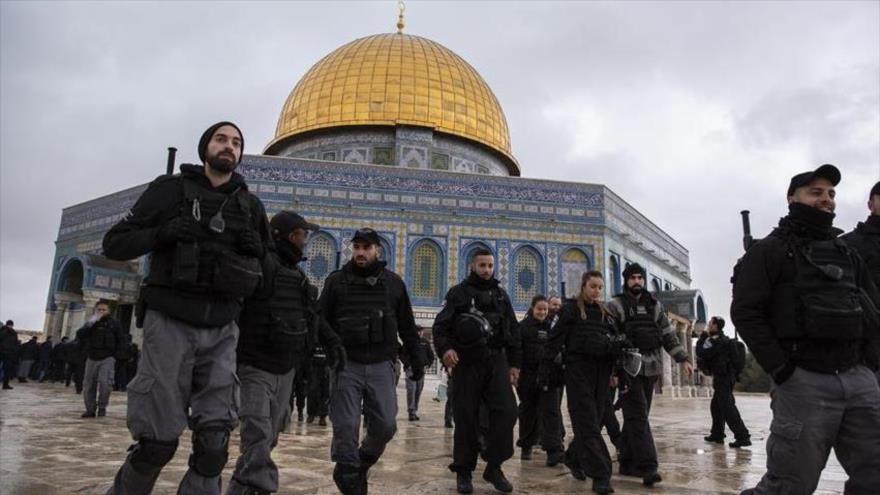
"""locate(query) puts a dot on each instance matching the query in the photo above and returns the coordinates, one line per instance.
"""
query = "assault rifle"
(748, 242)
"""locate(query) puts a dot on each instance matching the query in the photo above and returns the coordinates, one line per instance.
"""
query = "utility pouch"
(832, 316)
(377, 327)
(289, 334)
(185, 271)
(354, 330)
(236, 275)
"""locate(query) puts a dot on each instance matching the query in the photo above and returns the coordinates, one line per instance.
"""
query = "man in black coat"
(45, 359)
(8, 352)
(205, 234)
(477, 335)
(28, 354)
(804, 303)
(715, 354)
(103, 339)
(280, 327)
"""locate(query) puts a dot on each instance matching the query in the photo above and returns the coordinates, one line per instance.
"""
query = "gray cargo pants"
(98, 383)
(265, 407)
(186, 376)
(813, 413)
(366, 389)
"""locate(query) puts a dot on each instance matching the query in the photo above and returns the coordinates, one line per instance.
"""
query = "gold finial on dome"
(401, 7)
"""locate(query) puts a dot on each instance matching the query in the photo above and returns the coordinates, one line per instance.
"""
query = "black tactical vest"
(639, 323)
(822, 301)
(102, 339)
(211, 265)
(283, 312)
(364, 314)
(590, 335)
(534, 341)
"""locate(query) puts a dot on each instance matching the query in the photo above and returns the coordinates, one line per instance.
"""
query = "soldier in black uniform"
(368, 306)
(280, 327)
(538, 401)
(477, 336)
(805, 305)
(715, 358)
(865, 238)
(103, 339)
(318, 403)
(592, 342)
(647, 327)
(206, 235)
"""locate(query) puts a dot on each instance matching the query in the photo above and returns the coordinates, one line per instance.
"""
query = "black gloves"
(249, 243)
(336, 358)
(180, 229)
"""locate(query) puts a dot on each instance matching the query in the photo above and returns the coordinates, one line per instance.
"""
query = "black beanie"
(875, 190)
(633, 269)
(209, 133)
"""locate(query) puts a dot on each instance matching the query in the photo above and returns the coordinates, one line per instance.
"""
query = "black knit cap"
(633, 269)
(209, 133)
(875, 190)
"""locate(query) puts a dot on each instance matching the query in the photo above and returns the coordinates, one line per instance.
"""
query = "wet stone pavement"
(46, 449)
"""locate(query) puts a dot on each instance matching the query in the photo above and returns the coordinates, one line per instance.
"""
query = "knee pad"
(210, 451)
(148, 456)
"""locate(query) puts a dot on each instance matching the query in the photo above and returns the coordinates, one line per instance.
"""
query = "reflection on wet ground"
(46, 449)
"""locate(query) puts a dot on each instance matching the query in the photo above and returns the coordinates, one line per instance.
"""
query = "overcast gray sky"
(691, 111)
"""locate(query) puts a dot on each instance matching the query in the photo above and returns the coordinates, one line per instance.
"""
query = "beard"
(222, 162)
(635, 290)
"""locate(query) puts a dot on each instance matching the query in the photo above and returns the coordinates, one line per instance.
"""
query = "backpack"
(738, 357)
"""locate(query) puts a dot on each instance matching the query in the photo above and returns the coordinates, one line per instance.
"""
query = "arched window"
(467, 255)
(386, 254)
(701, 310)
(574, 264)
(71, 279)
(614, 275)
(528, 276)
(321, 258)
(666, 286)
(655, 285)
(426, 267)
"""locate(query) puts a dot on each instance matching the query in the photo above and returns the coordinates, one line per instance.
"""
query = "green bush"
(753, 378)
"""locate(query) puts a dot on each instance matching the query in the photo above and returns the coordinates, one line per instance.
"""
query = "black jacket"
(334, 289)
(865, 239)
(533, 345)
(102, 339)
(458, 300)
(8, 341)
(137, 235)
(716, 357)
(30, 351)
(255, 345)
(764, 266)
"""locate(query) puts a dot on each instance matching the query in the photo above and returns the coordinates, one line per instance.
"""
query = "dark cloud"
(689, 111)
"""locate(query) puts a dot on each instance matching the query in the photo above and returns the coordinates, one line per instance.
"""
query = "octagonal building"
(398, 133)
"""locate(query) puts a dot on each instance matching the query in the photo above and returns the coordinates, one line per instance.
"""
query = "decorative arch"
(527, 277)
(427, 274)
(466, 255)
(667, 287)
(321, 253)
(655, 285)
(574, 263)
(387, 254)
(614, 274)
(71, 277)
(701, 310)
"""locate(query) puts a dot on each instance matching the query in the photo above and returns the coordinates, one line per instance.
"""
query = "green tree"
(753, 378)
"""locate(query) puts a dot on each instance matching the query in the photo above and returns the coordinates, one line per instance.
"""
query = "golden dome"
(390, 79)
